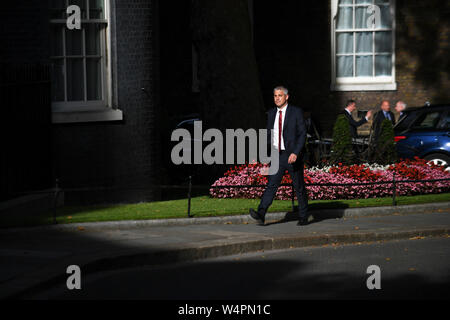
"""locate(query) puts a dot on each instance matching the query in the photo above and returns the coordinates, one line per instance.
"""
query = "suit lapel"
(392, 117)
(272, 115)
(286, 119)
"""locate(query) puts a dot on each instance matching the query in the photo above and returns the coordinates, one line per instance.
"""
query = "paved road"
(418, 268)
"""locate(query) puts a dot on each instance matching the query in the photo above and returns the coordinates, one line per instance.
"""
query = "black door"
(25, 160)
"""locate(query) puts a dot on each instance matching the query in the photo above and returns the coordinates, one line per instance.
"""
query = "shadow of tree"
(254, 280)
(423, 29)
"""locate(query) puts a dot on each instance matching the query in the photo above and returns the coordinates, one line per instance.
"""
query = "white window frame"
(91, 111)
(386, 83)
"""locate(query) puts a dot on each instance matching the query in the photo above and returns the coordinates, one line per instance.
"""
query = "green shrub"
(342, 150)
(384, 151)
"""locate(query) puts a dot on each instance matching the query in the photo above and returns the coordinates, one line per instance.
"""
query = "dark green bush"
(384, 151)
(342, 150)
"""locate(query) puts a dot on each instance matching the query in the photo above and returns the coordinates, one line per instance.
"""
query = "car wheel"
(439, 159)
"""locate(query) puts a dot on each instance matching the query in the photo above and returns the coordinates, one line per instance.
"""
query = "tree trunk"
(230, 92)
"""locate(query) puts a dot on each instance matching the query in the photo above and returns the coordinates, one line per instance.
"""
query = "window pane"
(364, 66)
(56, 41)
(383, 66)
(446, 124)
(386, 18)
(93, 39)
(345, 66)
(74, 45)
(345, 18)
(361, 18)
(346, 2)
(383, 42)
(344, 43)
(58, 80)
(428, 121)
(364, 42)
(363, 1)
(96, 10)
(75, 80)
(94, 79)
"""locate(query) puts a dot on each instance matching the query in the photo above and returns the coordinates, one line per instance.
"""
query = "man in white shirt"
(288, 140)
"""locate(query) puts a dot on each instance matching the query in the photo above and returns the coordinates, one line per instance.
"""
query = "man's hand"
(369, 114)
(264, 171)
(292, 158)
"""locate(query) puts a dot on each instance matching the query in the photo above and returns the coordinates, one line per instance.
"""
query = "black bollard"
(189, 196)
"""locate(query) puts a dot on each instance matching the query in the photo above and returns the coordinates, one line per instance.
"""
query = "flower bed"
(404, 170)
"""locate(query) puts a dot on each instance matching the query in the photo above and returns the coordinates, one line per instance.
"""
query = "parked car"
(425, 133)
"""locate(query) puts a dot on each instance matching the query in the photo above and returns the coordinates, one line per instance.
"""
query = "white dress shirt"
(276, 128)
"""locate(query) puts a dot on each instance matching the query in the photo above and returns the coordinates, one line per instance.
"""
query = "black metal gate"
(25, 100)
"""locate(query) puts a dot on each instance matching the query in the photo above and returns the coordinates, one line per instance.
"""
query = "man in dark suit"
(354, 125)
(383, 114)
(400, 107)
(288, 140)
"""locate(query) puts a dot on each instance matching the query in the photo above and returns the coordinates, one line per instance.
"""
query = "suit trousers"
(297, 175)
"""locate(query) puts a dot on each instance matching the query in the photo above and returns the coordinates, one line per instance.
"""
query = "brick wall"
(125, 154)
(24, 32)
(121, 155)
(296, 51)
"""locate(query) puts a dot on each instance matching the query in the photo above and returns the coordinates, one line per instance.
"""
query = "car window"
(446, 124)
(428, 120)
(406, 121)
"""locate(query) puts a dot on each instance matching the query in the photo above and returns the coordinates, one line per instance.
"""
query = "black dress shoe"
(258, 216)
(303, 221)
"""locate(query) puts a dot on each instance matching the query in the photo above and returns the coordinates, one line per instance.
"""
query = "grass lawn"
(200, 207)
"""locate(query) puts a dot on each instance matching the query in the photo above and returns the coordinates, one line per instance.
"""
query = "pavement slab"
(36, 258)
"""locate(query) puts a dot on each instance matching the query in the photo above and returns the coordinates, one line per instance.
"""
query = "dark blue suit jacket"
(294, 130)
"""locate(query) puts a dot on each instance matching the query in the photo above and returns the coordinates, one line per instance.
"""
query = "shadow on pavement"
(272, 280)
(318, 212)
(29, 253)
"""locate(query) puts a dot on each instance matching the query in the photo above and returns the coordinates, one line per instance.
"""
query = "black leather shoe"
(303, 221)
(258, 216)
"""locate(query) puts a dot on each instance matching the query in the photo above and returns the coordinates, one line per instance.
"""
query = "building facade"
(104, 98)
(332, 51)
(102, 106)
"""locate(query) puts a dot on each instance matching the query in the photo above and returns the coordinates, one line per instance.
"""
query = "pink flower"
(404, 171)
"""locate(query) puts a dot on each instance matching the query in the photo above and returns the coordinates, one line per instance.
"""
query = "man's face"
(280, 98)
(385, 106)
(351, 107)
(399, 107)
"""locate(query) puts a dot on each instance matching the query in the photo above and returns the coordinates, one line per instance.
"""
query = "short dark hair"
(349, 102)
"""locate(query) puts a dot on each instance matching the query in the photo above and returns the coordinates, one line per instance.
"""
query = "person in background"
(400, 107)
(380, 116)
(354, 125)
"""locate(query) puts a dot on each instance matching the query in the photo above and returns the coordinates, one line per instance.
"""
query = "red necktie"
(280, 130)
